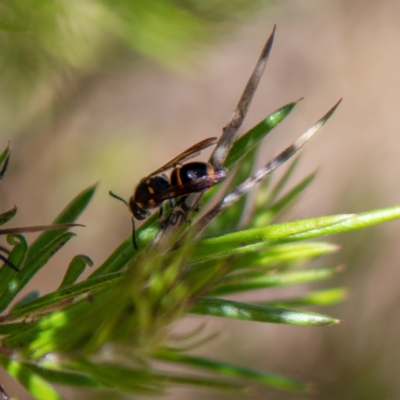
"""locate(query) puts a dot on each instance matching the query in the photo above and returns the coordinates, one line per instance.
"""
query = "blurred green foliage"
(48, 46)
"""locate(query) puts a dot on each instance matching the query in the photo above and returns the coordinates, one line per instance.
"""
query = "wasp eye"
(137, 210)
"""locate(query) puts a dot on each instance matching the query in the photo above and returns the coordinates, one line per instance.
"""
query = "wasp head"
(137, 210)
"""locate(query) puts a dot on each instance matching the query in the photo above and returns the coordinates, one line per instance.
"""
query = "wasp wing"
(198, 185)
(187, 155)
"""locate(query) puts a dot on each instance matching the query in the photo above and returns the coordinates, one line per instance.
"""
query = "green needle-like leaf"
(204, 383)
(139, 380)
(4, 159)
(324, 297)
(116, 376)
(230, 370)
(242, 241)
(282, 254)
(240, 282)
(70, 213)
(5, 153)
(263, 218)
(32, 266)
(357, 221)
(252, 138)
(74, 209)
(116, 261)
(125, 251)
(32, 382)
(7, 329)
(254, 312)
(285, 233)
(75, 269)
(264, 197)
(7, 215)
(62, 294)
(60, 377)
(292, 195)
(9, 278)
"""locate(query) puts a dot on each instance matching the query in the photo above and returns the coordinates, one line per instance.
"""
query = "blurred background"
(104, 91)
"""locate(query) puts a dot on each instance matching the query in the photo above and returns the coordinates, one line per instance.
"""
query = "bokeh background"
(106, 91)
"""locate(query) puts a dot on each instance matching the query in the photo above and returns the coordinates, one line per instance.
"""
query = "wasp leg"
(134, 235)
(8, 263)
(161, 219)
(179, 211)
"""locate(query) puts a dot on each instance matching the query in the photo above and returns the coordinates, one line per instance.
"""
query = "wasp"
(154, 189)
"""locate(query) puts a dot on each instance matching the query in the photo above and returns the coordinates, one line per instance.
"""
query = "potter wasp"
(154, 189)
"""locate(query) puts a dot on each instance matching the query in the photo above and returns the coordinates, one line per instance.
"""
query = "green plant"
(112, 329)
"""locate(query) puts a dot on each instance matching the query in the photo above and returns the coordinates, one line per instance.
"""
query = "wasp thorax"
(147, 192)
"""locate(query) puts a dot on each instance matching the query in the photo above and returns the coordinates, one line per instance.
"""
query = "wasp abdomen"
(196, 172)
(189, 172)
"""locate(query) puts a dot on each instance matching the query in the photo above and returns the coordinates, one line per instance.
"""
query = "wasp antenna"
(134, 234)
(117, 197)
